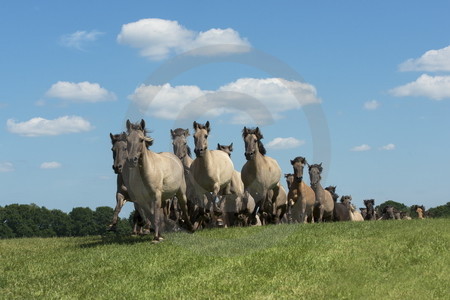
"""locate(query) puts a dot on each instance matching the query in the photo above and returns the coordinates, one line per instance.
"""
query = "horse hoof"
(155, 241)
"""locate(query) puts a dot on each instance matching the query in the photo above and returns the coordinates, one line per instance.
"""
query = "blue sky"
(362, 86)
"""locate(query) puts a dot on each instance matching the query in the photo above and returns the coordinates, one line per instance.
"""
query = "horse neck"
(187, 161)
(317, 187)
(206, 160)
(258, 161)
(147, 158)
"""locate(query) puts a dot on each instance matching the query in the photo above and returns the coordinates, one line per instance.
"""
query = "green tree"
(102, 217)
(441, 211)
(61, 223)
(82, 221)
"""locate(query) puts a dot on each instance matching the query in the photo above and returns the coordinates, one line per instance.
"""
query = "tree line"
(30, 220)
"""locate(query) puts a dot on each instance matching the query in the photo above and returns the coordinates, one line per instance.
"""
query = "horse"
(119, 150)
(119, 144)
(238, 205)
(182, 150)
(212, 170)
(342, 211)
(153, 177)
(301, 197)
(420, 210)
(332, 190)
(324, 204)
(370, 209)
(261, 173)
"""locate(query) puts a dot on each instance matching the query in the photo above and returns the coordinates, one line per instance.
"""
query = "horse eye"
(206, 136)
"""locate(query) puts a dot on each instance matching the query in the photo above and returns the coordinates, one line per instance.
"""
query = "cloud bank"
(51, 165)
(434, 87)
(371, 105)
(6, 167)
(159, 38)
(43, 127)
(363, 147)
(388, 147)
(431, 61)
(280, 143)
(247, 98)
(79, 39)
(79, 92)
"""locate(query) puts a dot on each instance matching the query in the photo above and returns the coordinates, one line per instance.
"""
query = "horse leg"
(182, 201)
(155, 206)
(120, 202)
(321, 210)
(303, 214)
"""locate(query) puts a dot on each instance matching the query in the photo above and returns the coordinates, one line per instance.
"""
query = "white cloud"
(280, 143)
(431, 61)
(259, 99)
(434, 87)
(50, 165)
(388, 147)
(79, 39)
(158, 38)
(363, 147)
(6, 167)
(371, 105)
(79, 92)
(43, 127)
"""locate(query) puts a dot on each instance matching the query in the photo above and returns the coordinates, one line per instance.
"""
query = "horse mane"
(246, 131)
(137, 126)
(318, 166)
(299, 159)
(182, 132)
(118, 137)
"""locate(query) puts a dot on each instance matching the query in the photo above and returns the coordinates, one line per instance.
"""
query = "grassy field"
(370, 260)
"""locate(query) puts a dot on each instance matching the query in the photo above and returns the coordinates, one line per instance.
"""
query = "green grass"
(370, 260)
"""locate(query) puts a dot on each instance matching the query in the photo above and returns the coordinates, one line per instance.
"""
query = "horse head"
(298, 164)
(201, 138)
(119, 150)
(253, 144)
(137, 141)
(179, 142)
(315, 172)
(227, 149)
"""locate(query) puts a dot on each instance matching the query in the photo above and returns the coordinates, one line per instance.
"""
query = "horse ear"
(172, 133)
(258, 133)
(128, 125)
(231, 147)
(111, 136)
(207, 126)
(292, 162)
(218, 146)
(195, 125)
(142, 124)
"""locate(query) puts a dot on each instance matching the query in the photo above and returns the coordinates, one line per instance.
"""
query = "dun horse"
(119, 146)
(212, 170)
(301, 197)
(260, 173)
(237, 206)
(324, 205)
(153, 177)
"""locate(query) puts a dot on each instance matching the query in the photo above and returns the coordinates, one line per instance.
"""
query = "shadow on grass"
(111, 238)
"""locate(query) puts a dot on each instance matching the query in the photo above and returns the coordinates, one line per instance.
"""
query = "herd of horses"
(205, 192)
